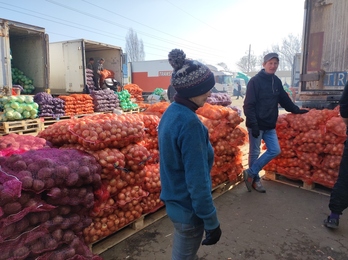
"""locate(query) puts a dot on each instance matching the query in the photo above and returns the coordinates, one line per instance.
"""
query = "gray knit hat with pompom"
(190, 78)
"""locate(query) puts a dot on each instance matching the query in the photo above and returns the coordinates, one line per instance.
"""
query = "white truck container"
(24, 47)
(324, 62)
(68, 60)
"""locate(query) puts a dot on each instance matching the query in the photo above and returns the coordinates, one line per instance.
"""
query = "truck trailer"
(324, 57)
(24, 47)
(68, 60)
(149, 75)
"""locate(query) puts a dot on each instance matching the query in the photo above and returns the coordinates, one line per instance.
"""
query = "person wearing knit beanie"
(190, 78)
(186, 159)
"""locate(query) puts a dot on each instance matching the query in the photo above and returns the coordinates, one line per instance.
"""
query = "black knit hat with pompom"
(190, 78)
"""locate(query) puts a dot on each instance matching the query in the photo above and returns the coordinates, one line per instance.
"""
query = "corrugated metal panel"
(327, 46)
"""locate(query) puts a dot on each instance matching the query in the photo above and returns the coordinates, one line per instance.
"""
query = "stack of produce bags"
(105, 100)
(78, 104)
(89, 79)
(18, 108)
(48, 105)
(226, 141)
(135, 91)
(83, 104)
(69, 105)
(46, 195)
(126, 103)
(222, 99)
(312, 146)
(126, 148)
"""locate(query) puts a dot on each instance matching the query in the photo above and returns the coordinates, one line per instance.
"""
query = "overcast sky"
(212, 31)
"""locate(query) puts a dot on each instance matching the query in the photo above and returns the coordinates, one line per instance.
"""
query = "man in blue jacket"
(186, 159)
(264, 93)
(339, 193)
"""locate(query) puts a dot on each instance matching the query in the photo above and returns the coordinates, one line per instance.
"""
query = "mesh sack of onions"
(105, 100)
(49, 106)
(99, 131)
(222, 99)
(316, 139)
(16, 144)
(56, 193)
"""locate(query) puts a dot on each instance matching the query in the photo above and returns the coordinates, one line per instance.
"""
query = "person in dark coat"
(97, 73)
(239, 91)
(264, 92)
(339, 194)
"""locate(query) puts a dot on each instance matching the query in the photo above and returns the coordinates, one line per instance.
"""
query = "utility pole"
(249, 58)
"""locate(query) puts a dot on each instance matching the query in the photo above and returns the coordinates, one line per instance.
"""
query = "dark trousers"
(339, 193)
(239, 94)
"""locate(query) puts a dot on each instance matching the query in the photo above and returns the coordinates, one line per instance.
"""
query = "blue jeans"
(256, 163)
(187, 240)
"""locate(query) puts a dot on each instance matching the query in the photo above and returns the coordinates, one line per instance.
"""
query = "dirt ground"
(283, 224)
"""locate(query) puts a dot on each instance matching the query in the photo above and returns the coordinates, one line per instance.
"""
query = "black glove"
(302, 111)
(212, 236)
(255, 132)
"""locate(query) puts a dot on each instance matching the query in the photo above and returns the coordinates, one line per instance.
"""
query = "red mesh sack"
(99, 131)
(151, 203)
(152, 182)
(336, 126)
(136, 156)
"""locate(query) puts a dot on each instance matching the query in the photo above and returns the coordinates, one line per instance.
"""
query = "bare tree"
(287, 50)
(247, 63)
(134, 47)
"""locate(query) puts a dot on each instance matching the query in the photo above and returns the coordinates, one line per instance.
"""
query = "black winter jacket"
(344, 103)
(264, 93)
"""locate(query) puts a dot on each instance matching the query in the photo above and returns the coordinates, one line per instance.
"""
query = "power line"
(100, 32)
(122, 26)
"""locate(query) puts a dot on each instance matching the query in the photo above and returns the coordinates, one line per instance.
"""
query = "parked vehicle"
(223, 79)
(24, 47)
(68, 61)
(324, 61)
(235, 86)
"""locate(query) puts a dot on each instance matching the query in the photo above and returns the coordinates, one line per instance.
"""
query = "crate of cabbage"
(18, 78)
(18, 108)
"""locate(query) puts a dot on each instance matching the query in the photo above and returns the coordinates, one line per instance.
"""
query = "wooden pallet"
(127, 231)
(132, 111)
(29, 126)
(315, 187)
(47, 121)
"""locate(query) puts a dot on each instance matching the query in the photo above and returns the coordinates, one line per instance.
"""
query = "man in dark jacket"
(339, 193)
(264, 93)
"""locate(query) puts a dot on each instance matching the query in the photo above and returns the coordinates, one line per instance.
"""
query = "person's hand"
(255, 131)
(302, 111)
(212, 236)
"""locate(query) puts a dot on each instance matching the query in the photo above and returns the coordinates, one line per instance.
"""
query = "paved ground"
(285, 223)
